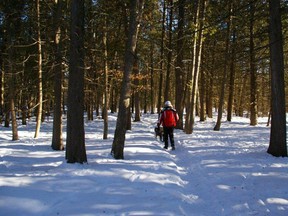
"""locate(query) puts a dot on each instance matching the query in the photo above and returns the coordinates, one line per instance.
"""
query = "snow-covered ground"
(210, 173)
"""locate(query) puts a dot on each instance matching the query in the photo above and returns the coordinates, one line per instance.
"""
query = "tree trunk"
(167, 93)
(137, 93)
(179, 70)
(57, 141)
(242, 94)
(75, 144)
(202, 113)
(188, 127)
(277, 145)
(124, 103)
(160, 102)
(113, 89)
(129, 118)
(196, 64)
(1, 87)
(232, 79)
(253, 75)
(106, 88)
(12, 96)
(152, 101)
(40, 90)
(209, 92)
(222, 93)
(13, 117)
(12, 23)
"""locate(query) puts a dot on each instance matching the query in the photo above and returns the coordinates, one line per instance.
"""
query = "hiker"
(168, 118)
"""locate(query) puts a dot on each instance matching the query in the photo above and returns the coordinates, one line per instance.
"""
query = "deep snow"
(210, 173)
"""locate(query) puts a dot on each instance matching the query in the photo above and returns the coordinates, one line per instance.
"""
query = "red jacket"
(169, 117)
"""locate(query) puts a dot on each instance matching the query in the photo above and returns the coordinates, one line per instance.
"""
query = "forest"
(70, 57)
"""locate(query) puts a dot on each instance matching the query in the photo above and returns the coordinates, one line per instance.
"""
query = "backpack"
(169, 118)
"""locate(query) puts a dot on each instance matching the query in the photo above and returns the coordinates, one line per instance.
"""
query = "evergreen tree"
(278, 145)
(75, 144)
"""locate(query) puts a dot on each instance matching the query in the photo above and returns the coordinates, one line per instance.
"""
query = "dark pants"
(168, 131)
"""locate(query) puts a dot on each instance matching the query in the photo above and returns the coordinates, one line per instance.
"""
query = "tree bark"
(277, 145)
(179, 70)
(57, 141)
(160, 102)
(136, 72)
(75, 144)
(152, 100)
(253, 73)
(242, 94)
(124, 103)
(222, 93)
(12, 96)
(202, 113)
(232, 79)
(209, 92)
(196, 65)
(40, 88)
(13, 21)
(190, 78)
(106, 87)
(167, 93)
(1, 86)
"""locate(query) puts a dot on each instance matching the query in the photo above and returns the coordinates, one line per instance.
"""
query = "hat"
(168, 104)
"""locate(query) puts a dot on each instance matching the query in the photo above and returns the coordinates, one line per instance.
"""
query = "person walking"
(168, 118)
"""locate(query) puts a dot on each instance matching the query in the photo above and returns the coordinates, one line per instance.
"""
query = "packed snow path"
(210, 173)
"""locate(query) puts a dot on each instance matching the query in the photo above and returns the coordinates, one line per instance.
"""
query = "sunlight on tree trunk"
(136, 73)
(180, 70)
(106, 87)
(12, 111)
(152, 98)
(167, 93)
(232, 78)
(124, 103)
(198, 41)
(225, 73)
(159, 101)
(40, 96)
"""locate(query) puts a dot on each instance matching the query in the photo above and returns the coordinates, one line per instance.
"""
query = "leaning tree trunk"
(195, 93)
(57, 141)
(40, 90)
(196, 65)
(124, 103)
(188, 127)
(277, 145)
(75, 144)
